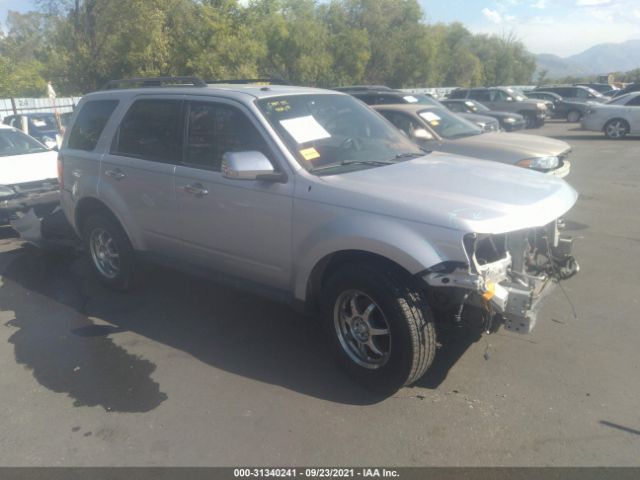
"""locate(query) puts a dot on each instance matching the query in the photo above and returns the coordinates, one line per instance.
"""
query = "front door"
(239, 227)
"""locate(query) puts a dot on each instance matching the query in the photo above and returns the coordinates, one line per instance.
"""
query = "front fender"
(415, 247)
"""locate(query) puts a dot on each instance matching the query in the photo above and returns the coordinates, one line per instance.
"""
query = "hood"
(504, 147)
(452, 192)
(30, 167)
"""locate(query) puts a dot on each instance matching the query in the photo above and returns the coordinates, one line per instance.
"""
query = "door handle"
(115, 174)
(195, 189)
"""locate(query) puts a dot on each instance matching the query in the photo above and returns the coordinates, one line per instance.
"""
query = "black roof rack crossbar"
(154, 82)
(251, 81)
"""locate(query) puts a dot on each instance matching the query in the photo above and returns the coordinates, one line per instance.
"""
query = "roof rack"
(251, 81)
(154, 82)
(354, 88)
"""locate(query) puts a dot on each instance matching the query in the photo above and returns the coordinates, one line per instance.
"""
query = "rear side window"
(90, 122)
(152, 130)
(480, 95)
(458, 94)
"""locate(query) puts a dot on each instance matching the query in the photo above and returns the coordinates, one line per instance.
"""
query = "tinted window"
(580, 93)
(13, 142)
(456, 107)
(458, 94)
(90, 122)
(152, 130)
(392, 99)
(215, 129)
(480, 95)
(634, 102)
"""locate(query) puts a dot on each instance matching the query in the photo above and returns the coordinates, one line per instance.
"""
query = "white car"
(28, 175)
(616, 118)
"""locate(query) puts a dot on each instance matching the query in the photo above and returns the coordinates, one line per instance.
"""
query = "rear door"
(136, 178)
(238, 227)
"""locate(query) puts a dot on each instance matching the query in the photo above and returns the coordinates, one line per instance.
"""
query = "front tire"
(109, 251)
(380, 327)
(616, 129)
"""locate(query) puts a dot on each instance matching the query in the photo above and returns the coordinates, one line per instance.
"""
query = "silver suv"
(310, 196)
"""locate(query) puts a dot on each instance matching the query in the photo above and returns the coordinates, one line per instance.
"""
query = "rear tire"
(109, 251)
(616, 129)
(379, 325)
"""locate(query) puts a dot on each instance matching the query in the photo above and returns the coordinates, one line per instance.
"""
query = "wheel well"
(626, 124)
(332, 262)
(87, 206)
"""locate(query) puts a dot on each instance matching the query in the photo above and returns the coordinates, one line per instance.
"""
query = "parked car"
(571, 111)
(44, 127)
(573, 93)
(598, 87)
(504, 99)
(435, 128)
(311, 197)
(508, 121)
(376, 95)
(28, 175)
(618, 118)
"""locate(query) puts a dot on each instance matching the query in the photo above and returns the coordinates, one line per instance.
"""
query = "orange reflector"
(491, 291)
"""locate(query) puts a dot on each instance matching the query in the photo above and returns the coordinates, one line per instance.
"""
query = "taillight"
(61, 171)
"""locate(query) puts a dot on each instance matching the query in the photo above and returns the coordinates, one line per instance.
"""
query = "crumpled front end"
(42, 196)
(510, 274)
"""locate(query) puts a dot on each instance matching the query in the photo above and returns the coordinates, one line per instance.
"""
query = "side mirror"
(249, 165)
(421, 134)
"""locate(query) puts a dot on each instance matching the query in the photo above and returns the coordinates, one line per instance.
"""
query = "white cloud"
(589, 3)
(492, 15)
(540, 4)
(636, 12)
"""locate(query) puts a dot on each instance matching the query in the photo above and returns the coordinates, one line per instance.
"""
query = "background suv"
(507, 100)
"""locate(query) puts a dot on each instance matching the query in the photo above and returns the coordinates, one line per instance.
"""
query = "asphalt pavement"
(182, 372)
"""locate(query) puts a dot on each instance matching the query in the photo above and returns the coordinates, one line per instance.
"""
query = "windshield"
(43, 122)
(476, 106)
(621, 100)
(334, 133)
(449, 125)
(517, 95)
(13, 142)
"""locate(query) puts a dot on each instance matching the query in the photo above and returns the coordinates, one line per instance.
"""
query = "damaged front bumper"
(42, 197)
(509, 275)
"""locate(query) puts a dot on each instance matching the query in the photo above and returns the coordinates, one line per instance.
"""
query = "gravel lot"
(182, 372)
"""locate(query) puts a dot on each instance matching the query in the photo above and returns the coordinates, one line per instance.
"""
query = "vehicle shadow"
(60, 310)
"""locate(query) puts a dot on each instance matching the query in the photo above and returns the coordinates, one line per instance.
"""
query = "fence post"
(13, 106)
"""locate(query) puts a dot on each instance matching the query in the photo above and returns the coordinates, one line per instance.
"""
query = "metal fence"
(15, 106)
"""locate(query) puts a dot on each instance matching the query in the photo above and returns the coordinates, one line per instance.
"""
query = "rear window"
(90, 123)
(151, 130)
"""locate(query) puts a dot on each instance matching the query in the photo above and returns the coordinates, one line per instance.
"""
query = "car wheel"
(616, 128)
(380, 326)
(573, 116)
(530, 120)
(110, 252)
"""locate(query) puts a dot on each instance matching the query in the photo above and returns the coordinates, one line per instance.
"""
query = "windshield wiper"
(351, 162)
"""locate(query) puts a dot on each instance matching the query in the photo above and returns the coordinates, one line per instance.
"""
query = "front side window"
(90, 123)
(151, 130)
(215, 129)
(13, 142)
(634, 102)
(456, 107)
(480, 95)
(335, 133)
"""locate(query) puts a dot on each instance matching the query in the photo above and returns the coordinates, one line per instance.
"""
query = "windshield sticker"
(309, 154)
(304, 129)
(39, 123)
(430, 117)
(280, 106)
(411, 99)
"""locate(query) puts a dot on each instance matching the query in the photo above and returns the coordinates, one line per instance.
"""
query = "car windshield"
(449, 125)
(43, 122)
(476, 106)
(517, 95)
(335, 133)
(622, 99)
(13, 142)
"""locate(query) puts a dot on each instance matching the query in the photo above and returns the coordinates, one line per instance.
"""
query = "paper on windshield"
(411, 99)
(430, 117)
(304, 129)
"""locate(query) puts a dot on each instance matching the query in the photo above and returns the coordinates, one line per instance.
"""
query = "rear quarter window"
(90, 123)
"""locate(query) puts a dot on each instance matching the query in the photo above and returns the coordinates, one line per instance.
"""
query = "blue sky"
(563, 27)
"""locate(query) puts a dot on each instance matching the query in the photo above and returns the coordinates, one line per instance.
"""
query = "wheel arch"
(621, 119)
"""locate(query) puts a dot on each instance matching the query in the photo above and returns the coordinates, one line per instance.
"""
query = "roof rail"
(364, 88)
(251, 81)
(154, 82)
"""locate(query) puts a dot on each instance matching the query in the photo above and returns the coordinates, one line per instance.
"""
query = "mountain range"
(598, 60)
